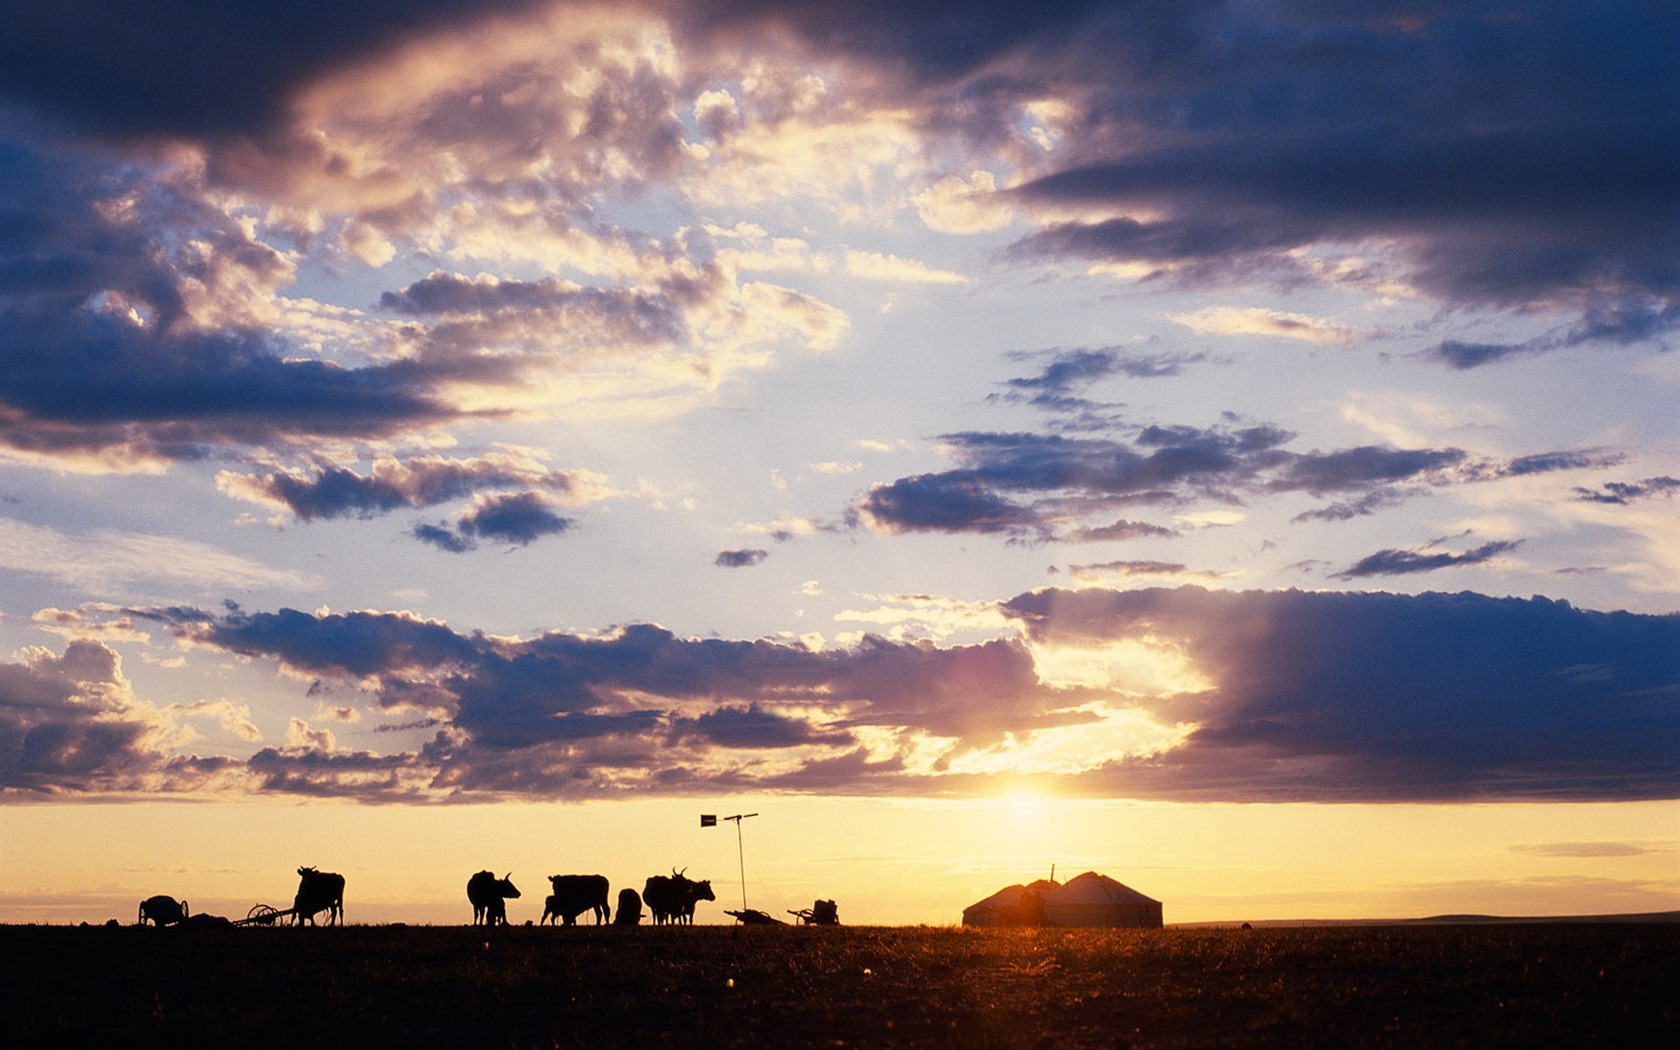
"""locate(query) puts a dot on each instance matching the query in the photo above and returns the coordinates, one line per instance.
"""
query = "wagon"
(264, 915)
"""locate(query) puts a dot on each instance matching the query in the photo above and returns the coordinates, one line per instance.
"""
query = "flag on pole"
(708, 820)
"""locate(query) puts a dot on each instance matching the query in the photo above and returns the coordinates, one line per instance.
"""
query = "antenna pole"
(741, 853)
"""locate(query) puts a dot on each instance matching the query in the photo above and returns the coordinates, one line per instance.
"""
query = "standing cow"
(487, 894)
(671, 898)
(575, 894)
(318, 891)
(163, 910)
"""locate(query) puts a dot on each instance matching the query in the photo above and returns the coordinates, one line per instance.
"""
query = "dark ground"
(1517, 985)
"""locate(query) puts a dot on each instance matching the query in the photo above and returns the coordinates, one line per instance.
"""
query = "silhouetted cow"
(318, 891)
(671, 898)
(575, 894)
(629, 908)
(163, 910)
(694, 893)
(487, 894)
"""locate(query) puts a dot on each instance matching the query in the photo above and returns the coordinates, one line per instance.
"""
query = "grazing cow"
(163, 911)
(318, 891)
(487, 894)
(575, 894)
(629, 908)
(671, 898)
(662, 897)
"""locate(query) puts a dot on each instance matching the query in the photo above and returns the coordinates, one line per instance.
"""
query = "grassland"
(1563, 985)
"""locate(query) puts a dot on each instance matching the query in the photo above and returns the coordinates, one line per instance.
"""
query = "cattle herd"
(669, 899)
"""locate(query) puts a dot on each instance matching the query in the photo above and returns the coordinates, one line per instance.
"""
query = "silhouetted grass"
(1497, 985)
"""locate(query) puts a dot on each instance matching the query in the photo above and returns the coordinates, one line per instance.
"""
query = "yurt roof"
(1092, 888)
(1012, 896)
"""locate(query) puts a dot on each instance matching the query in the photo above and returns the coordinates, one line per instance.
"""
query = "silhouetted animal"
(696, 892)
(487, 894)
(629, 908)
(575, 894)
(163, 910)
(318, 891)
(671, 898)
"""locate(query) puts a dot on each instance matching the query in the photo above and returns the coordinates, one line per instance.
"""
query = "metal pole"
(741, 853)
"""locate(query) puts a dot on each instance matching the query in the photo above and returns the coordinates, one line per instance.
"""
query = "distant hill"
(1450, 920)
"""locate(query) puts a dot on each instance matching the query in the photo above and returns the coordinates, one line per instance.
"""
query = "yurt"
(1011, 906)
(1097, 900)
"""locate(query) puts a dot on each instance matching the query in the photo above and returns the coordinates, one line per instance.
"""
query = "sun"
(1025, 805)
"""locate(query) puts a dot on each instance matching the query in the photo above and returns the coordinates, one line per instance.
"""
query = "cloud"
(620, 314)
(1067, 478)
(1403, 562)
(1582, 850)
(1325, 696)
(1120, 529)
(105, 558)
(1184, 694)
(420, 481)
(1252, 137)
(1622, 493)
(199, 69)
(876, 266)
(1231, 320)
(1109, 571)
(519, 518)
(1069, 370)
(1620, 321)
(740, 559)
(71, 724)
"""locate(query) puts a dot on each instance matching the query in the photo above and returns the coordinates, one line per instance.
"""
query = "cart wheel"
(262, 914)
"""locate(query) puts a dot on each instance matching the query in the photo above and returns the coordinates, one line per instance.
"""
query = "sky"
(1227, 445)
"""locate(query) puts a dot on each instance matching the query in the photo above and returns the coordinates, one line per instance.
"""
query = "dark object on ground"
(163, 910)
(629, 908)
(206, 922)
(1512, 985)
(822, 913)
(754, 917)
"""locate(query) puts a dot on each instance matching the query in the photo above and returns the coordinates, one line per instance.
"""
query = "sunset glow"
(1227, 447)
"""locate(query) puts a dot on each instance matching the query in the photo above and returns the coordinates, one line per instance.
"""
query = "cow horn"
(508, 876)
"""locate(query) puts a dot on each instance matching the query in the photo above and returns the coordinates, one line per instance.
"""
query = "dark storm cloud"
(934, 40)
(1513, 157)
(1381, 697)
(1625, 492)
(1402, 562)
(740, 559)
(197, 67)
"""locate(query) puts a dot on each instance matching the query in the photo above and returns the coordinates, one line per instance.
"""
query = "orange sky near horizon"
(885, 862)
